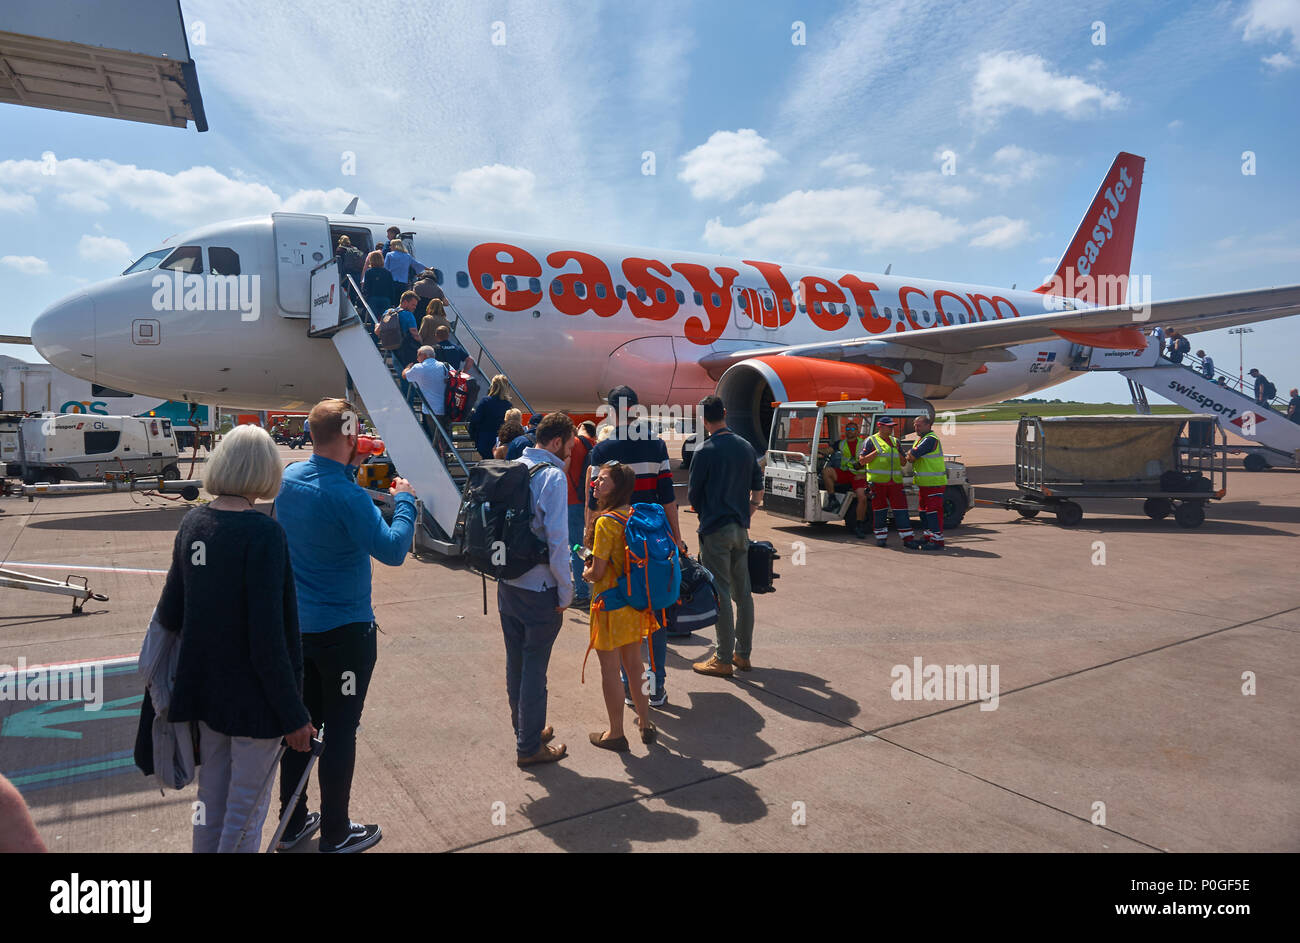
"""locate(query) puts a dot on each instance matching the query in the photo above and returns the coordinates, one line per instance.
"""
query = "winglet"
(351, 208)
(1103, 245)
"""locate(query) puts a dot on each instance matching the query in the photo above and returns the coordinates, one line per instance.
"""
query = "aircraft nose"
(64, 334)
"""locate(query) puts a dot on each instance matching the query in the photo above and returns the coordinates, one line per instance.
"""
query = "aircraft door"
(645, 364)
(302, 242)
(744, 302)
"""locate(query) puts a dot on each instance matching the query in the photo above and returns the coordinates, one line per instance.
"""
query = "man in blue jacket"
(334, 529)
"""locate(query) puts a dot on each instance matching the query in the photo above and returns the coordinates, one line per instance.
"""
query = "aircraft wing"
(985, 338)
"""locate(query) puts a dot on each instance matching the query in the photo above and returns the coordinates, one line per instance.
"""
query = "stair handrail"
(460, 321)
(1193, 363)
(368, 317)
(484, 352)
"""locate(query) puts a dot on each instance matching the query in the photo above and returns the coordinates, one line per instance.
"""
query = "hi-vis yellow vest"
(886, 465)
(849, 458)
(929, 471)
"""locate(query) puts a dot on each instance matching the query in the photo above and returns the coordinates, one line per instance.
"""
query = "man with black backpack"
(532, 605)
(1264, 388)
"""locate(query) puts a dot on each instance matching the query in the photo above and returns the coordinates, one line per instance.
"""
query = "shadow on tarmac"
(672, 770)
(143, 520)
(553, 813)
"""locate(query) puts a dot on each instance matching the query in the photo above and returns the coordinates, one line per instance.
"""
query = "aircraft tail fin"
(1103, 245)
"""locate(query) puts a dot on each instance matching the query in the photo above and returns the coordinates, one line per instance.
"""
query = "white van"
(82, 447)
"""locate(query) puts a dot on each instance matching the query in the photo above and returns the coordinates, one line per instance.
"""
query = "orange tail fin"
(1103, 245)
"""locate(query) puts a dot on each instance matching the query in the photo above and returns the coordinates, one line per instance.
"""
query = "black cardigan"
(230, 593)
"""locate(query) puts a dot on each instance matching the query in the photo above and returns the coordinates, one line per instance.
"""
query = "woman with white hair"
(230, 594)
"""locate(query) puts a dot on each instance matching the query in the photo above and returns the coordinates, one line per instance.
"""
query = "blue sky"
(828, 151)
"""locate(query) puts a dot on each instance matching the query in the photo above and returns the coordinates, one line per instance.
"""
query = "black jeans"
(337, 668)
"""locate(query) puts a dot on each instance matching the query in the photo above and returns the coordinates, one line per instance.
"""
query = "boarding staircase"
(1275, 440)
(436, 461)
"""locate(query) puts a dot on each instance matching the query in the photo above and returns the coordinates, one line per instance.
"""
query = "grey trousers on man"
(725, 554)
(232, 772)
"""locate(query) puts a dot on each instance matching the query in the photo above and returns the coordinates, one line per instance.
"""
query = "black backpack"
(1269, 390)
(497, 539)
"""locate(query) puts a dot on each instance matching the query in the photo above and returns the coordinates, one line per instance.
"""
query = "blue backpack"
(653, 574)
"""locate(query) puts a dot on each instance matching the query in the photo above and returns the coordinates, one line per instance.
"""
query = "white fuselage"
(250, 348)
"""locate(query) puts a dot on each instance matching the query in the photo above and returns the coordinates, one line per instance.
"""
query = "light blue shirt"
(399, 265)
(431, 377)
(550, 522)
(334, 529)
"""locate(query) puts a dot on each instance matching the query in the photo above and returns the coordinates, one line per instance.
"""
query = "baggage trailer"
(799, 445)
(1176, 464)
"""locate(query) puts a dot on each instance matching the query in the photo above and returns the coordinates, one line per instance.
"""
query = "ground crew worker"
(885, 469)
(930, 475)
(844, 468)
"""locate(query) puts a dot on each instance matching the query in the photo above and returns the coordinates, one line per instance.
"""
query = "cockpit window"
(147, 261)
(187, 259)
(222, 261)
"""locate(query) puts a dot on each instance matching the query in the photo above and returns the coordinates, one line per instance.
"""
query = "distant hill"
(1013, 408)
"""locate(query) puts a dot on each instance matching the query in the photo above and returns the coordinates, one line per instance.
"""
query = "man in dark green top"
(726, 488)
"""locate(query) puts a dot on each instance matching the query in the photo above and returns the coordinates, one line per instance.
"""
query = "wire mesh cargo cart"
(1176, 464)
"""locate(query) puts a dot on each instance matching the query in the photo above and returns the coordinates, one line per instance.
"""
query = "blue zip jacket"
(334, 528)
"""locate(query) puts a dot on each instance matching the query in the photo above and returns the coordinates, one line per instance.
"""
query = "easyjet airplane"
(568, 321)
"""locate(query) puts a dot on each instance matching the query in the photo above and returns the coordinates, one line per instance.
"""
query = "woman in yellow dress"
(616, 635)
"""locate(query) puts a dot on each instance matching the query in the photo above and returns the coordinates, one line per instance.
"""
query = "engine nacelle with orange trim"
(750, 387)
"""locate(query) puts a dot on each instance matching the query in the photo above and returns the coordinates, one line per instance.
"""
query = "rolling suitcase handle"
(317, 745)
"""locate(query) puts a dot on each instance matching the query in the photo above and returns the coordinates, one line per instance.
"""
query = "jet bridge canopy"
(115, 60)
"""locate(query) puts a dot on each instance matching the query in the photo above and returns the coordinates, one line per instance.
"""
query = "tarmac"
(1146, 692)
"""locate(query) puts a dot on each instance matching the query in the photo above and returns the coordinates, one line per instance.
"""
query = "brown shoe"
(548, 733)
(714, 666)
(741, 662)
(602, 739)
(547, 754)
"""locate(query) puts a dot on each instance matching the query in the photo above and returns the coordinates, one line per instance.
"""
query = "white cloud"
(1271, 20)
(727, 163)
(104, 249)
(195, 194)
(496, 185)
(933, 186)
(1007, 80)
(1175, 124)
(27, 264)
(1014, 164)
(847, 165)
(1279, 62)
(999, 232)
(82, 202)
(16, 202)
(805, 223)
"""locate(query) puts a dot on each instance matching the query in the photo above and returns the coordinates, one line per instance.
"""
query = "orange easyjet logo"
(830, 305)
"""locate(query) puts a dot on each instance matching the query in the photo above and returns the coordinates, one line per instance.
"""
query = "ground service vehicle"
(802, 438)
(81, 447)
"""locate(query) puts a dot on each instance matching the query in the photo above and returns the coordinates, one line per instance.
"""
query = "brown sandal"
(617, 744)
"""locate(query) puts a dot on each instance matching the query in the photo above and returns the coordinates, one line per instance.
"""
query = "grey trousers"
(232, 771)
(725, 554)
